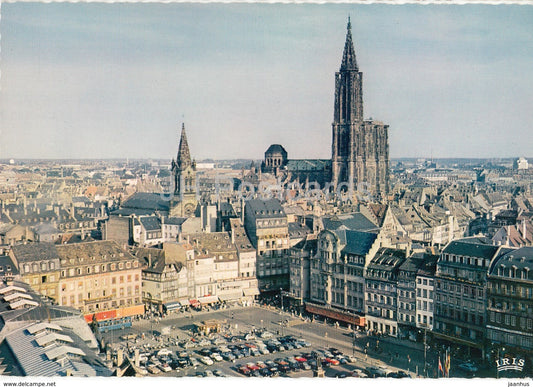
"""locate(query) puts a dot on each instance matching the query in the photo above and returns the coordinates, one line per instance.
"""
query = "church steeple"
(183, 160)
(349, 61)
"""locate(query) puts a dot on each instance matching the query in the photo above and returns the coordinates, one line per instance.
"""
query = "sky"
(116, 80)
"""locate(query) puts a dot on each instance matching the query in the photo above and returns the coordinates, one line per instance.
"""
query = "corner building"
(360, 148)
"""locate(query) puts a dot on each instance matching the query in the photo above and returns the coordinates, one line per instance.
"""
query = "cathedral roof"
(349, 61)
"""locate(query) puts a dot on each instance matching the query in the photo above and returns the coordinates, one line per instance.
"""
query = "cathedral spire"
(183, 159)
(349, 62)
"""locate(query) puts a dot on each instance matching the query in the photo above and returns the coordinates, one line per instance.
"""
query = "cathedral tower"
(360, 151)
(184, 202)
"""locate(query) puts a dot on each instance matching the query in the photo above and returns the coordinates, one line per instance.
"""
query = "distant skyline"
(93, 80)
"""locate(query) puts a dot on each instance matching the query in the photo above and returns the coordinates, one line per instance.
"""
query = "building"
(460, 293)
(510, 304)
(360, 149)
(300, 261)
(381, 284)
(39, 266)
(425, 291)
(337, 280)
(94, 277)
(275, 159)
(100, 277)
(222, 267)
(266, 225)
(407, 293)
(164, 276)
(184, 201)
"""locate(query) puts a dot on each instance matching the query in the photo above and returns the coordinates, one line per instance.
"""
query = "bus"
(113, 324)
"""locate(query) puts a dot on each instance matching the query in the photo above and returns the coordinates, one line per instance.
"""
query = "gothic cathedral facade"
(184, 201)
(360, 148)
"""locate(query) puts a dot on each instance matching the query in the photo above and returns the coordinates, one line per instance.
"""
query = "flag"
(440, 368)
(447, 364)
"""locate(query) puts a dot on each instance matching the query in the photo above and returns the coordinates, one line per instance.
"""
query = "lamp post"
(281, 296)
(326, 338)
(425, 354)
(261, 324)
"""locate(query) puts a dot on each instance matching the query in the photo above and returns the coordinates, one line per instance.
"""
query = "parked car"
(165, 367)
(206, 360)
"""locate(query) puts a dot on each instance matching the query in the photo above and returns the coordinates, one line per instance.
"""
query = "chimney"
(524, 229)
(233, 235)
(69, 372)
(149, 259)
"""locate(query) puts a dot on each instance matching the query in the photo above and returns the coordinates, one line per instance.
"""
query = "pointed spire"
(183, 159)
(349, 62)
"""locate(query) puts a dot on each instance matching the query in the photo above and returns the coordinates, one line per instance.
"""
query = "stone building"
(275, 159)
(425, 291)
(265, 222)
(337, 280)
(39, 267)
(407, 295)
(100, 277)
(510, 303)
(164, 277)
(360, 148)
(460, 293)
(381, 284)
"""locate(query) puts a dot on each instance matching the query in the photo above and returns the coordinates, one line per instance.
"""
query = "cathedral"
(360, 148)
(184, 201)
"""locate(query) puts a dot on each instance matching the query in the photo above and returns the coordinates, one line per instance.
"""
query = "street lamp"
(281, 296)
(261, 324)
(326, 338)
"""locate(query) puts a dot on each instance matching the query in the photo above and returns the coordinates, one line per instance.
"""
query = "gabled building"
(381, 284)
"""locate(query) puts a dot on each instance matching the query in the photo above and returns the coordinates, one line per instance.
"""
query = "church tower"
(359, 150)
(184, 202)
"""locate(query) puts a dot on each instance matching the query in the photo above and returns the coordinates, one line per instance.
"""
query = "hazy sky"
(116, 80)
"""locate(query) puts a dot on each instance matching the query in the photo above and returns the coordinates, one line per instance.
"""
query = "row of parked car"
(296, 363)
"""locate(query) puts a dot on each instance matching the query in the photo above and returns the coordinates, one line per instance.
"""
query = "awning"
(184, 302)
(207, 299)
(194, 303)
(172, 305)
(251, 292)
(231, 295)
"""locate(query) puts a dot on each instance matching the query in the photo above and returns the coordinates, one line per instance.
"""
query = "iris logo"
(510, 363)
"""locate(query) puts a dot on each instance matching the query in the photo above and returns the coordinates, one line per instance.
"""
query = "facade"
(92, 277)
(510, 303)
(39, 267)
(184, 202)
(266, 225)
(381, 279)
(99, 277)
(275, 159)
(300, 256)
(407, 296)
(164, 278)
(337, 269)
(425, 291)
(460, 293)
(360, 149)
